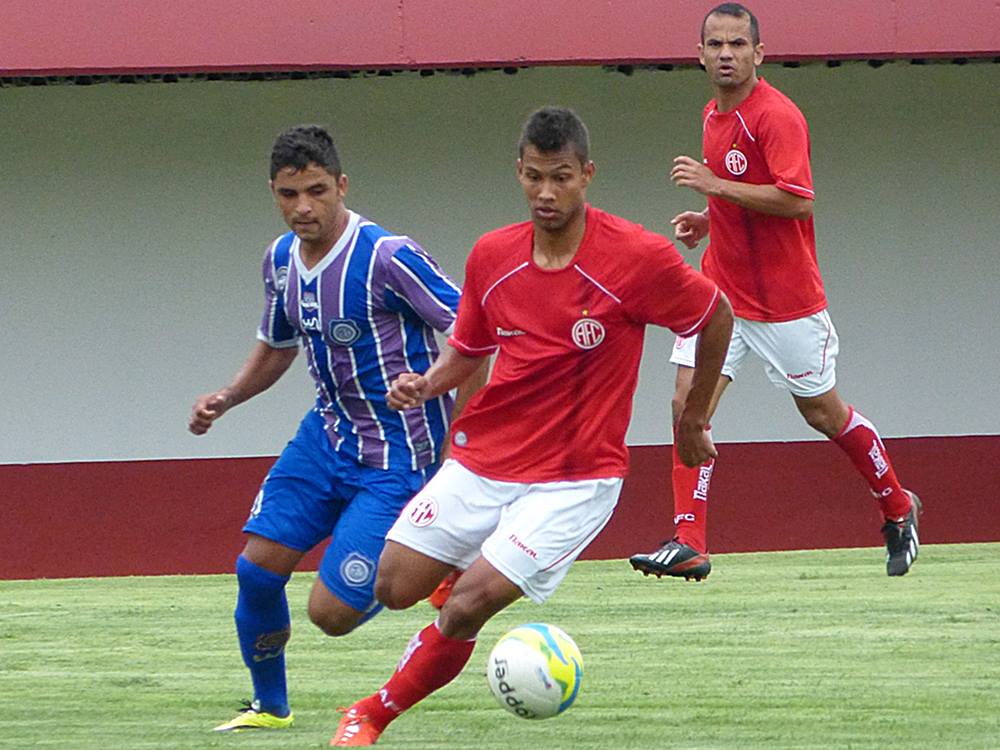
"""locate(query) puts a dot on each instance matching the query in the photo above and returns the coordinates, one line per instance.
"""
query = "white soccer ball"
(535, 671)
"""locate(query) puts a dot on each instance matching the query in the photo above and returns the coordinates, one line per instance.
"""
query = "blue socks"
(264, 627)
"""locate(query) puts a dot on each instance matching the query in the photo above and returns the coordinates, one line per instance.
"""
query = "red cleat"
(355, 729)
(443, 591)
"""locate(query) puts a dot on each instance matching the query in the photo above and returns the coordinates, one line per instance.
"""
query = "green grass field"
(775, 650)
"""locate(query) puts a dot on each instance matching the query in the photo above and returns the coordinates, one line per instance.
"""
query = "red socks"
(691, 501)
(430, 662)
(861, 442)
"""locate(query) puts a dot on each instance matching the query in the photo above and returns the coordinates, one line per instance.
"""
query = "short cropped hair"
(736, 11)
(302, 145)
(551, 129)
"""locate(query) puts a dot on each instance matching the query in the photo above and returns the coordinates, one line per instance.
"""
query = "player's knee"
(333, 623)
(393, 593)
(465, 613)
(820, 421)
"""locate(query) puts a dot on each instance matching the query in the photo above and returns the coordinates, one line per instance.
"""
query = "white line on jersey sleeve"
(711, 305)
(478, 350)
(501, 279)
(277, 344)
(745, 128)
(430, 294)
(790, 186)
(596, 283)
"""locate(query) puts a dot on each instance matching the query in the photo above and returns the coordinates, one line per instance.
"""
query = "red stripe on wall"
(184, 516)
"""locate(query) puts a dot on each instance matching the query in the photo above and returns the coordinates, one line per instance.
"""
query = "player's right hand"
(406, 391)
(690, 227)
(694, 443)
(206, 410)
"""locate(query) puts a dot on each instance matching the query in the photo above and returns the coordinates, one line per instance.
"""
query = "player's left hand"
(690, 173)
(694, 443)
(406, 391)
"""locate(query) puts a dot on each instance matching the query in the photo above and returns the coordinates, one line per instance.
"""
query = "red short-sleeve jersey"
(559, 400)
(765, 264)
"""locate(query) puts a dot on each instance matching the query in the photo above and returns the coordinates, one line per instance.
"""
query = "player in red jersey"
(762, 254)
(539, 454)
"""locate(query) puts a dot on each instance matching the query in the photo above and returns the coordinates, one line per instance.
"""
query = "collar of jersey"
(345, 239)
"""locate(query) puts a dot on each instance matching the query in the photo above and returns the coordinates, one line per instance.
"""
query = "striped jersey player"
(367, 311)
(363, 303)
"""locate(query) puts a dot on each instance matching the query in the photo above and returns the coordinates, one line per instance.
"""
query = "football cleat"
(355, 729)
(676, 559)
(251, 717)
(443, 591)
(901, 540)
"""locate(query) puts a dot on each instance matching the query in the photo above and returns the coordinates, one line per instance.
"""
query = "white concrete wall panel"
(133, 219)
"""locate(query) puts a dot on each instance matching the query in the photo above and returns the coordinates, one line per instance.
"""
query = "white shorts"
(531, 533)
(799, 356)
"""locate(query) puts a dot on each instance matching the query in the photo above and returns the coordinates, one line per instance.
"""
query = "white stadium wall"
(134, 218)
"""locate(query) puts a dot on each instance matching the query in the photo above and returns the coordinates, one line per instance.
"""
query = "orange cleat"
(355, 729)
(443, 591)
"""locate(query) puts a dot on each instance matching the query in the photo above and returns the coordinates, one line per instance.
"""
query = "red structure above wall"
(53, 37)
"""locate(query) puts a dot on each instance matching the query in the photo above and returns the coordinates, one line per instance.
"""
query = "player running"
(762, 254)
(539, 454)
(364, 303)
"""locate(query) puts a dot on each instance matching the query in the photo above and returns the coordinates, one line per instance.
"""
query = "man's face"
(727, 51)
(311, 201)
(555, 184)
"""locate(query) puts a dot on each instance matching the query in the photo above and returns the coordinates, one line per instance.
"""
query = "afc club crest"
(423, 511)
(587, 333)
(736, 162)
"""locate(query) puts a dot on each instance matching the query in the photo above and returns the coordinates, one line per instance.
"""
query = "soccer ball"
(535, 670)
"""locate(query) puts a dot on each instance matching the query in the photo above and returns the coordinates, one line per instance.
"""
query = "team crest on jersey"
(344, 331)
(280, 277)
(357, 570)
(736, 162)
(423, 511)
(588, 333)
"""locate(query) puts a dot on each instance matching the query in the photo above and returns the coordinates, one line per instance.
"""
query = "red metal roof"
(56, 37)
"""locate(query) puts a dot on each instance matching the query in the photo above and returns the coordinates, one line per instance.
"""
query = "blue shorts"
(312, 492)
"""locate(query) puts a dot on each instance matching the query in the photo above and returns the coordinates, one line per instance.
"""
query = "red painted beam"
(53, 37)
(184, 516)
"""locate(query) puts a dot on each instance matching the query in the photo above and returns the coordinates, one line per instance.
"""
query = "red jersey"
(559, 399)
(765, 264)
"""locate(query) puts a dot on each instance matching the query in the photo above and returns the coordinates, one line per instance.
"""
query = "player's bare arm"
(767, 199)
(690, 227)
(263, 368)
(449, 370)
(694, 445)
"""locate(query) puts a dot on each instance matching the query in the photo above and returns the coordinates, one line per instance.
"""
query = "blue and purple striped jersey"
(365, 313)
